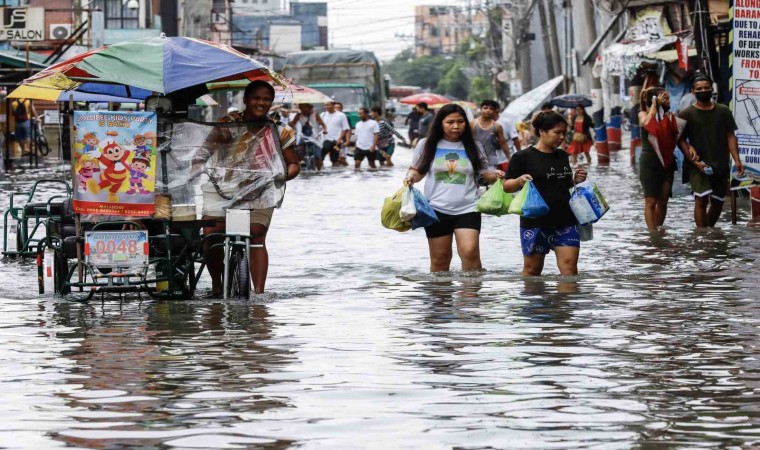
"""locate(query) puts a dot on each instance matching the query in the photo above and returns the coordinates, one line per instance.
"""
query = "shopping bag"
(517, 202)
(492, 201)
(534, 205)
(408, 210)
(588, 203)
(425, 215)
(389, 215)
(506, 201)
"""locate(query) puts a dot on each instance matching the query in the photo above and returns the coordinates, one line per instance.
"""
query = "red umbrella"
(427, 97)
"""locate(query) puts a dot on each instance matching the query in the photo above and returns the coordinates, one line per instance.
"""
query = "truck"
(351, 77)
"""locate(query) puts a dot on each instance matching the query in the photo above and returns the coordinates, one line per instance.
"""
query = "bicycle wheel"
(240, 283)
(42, 145)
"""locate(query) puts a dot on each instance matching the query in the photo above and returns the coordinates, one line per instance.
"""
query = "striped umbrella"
(159, 65)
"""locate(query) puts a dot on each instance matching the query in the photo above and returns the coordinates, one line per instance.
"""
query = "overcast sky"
(374, 24)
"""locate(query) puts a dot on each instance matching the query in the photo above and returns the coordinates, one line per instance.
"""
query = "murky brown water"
(654, 346)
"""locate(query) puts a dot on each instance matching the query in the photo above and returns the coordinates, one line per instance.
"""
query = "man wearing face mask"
(710, 132)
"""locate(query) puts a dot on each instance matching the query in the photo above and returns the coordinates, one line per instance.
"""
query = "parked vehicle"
(351, 77)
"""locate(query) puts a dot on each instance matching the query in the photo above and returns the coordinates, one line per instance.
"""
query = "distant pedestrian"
(413, 122)
(426, 118)
(549, 168)
(451, 161)
(710, 131)
(579, 138)
(338, 132)
(491, 135)
(310, 130)
(367, 132)
(23, 111)
(657, 165)
(385, 142)
(342, 159)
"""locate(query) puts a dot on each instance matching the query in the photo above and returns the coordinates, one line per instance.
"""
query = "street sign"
(52, 116)
(22, 24)
(515, 87)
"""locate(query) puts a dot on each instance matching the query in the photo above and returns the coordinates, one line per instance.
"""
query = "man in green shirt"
(710, 131)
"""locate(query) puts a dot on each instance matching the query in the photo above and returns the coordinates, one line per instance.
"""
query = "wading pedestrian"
(490, 134)
(657, 165)
(710, 131)
(451, 161)
(549, 168)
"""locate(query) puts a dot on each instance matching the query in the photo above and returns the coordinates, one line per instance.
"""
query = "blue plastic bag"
(588, 203)
(425, 215)
(534, 205)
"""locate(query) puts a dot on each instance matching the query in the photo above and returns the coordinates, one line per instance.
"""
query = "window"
(117, 15)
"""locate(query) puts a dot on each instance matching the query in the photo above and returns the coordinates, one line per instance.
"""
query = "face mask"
(704, 97)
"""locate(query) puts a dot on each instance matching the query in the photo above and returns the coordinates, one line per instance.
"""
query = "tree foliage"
(458, 75)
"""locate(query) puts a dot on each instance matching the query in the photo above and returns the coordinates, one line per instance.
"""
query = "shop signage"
(22, 24)
(746, 88)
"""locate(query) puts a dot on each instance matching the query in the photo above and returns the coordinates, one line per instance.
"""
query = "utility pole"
(548, 53)
(524, 39)
(554, 39)
(584, 35)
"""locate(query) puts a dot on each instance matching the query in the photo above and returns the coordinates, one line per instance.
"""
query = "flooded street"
(654, 345)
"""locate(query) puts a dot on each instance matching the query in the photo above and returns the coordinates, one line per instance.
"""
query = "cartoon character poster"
(451, 166)
(114, 162)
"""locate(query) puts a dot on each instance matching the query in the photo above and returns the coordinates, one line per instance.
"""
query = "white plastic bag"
(408, 210)
(588, 203)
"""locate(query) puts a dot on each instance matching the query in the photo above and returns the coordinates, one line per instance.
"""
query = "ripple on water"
(356, 345)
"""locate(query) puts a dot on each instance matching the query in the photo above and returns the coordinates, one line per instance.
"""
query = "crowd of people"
(320, 135)
(453, 157)
(490, 149)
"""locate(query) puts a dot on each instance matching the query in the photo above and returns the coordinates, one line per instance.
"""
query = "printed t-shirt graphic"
(451, 166)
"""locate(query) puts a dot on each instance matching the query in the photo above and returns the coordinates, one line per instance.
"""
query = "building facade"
(442, 30)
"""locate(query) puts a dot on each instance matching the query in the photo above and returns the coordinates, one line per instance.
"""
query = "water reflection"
(176, 363)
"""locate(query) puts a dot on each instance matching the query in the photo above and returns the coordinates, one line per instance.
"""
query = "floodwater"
(654, 345)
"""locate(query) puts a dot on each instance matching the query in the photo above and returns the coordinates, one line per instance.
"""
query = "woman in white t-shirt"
(453, 162)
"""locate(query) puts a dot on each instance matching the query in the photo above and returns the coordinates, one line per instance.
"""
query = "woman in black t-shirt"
(549, 168)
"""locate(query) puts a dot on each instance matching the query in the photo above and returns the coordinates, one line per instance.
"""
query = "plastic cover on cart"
(236, 165)
(218, 165)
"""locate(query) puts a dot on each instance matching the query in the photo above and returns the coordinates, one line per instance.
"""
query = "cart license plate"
(116, 248)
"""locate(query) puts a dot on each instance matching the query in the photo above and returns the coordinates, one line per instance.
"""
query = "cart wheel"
(240, 285)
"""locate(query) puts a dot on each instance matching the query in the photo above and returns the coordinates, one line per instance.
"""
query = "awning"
(668, 55)
(624, 59)
(17, 59)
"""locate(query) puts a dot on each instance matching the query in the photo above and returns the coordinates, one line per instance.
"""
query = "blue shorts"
(538, 241)
(23, 130)
(314, 150)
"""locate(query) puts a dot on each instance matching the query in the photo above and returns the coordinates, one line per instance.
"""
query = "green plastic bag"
(519, 199)
(389, 215)
(506, 201)
(495, 201)
(491, 202)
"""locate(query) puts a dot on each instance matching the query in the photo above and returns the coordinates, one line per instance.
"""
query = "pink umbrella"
(292, 93)
(426, 97)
